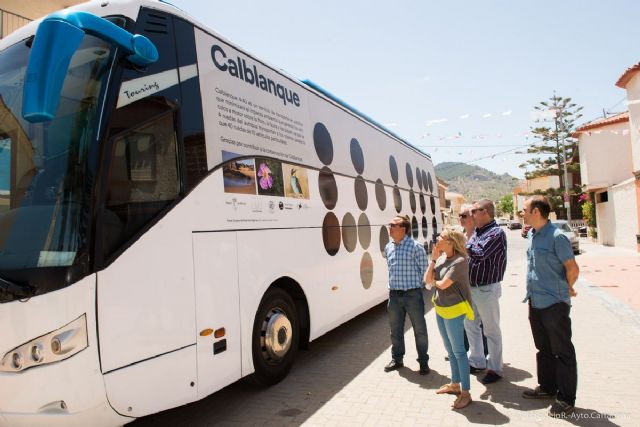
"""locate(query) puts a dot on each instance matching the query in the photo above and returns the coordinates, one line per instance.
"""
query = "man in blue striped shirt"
(487, 250)
(407, 262)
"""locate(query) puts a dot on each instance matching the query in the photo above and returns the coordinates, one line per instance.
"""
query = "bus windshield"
(46, 177)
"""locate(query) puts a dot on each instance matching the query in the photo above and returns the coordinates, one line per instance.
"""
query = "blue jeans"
(486, 308)
(400, 304)
(452, 331)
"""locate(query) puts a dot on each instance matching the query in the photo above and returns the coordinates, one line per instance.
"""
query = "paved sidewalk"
(614, 270)
(340, 381)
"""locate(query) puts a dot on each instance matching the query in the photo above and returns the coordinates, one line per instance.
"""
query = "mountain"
(474, 182)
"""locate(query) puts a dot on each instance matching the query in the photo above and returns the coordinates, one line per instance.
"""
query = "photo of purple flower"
(266, 179)
(269, 177)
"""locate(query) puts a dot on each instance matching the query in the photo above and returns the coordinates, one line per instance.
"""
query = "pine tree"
(561, 115)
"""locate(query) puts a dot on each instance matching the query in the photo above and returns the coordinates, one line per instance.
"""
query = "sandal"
(449, 389)
(462, 401)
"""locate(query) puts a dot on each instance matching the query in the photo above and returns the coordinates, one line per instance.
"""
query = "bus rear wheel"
(276, 333)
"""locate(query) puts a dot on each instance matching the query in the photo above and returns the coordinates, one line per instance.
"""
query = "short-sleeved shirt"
(455, 268)
(547, 282)
(407, 262)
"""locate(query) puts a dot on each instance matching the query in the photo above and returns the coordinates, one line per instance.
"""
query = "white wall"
(605, 215)
(34, 9)
(605, 157)
(633, 97)
(626, 220)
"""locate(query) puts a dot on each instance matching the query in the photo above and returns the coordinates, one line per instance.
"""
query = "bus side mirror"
(51, 52)
(58, 37)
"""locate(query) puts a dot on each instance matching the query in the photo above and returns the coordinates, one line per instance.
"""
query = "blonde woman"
(448, 272)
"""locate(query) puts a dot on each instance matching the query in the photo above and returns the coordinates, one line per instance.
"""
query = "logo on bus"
(249, 74)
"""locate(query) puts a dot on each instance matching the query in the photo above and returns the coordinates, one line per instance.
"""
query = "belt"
(483, 284)
(401, 292)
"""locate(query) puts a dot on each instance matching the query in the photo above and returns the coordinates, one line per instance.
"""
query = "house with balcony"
(606, 167)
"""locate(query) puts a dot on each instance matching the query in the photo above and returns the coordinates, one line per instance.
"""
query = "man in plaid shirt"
(407, 262)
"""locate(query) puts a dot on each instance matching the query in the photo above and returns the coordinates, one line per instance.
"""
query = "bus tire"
(276, 334)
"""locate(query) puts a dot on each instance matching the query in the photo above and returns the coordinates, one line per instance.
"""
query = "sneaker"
(560, 409)
(424, 369)
(537, 393)
(474, 370)
(490, 378)
(393, 365)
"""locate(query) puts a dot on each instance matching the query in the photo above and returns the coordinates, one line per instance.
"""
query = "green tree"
(554, 128)
(505, 205)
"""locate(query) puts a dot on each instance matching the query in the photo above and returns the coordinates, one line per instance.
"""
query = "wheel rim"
(277, 335)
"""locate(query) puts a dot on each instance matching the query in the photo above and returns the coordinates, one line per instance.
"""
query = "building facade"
(630, 81)
(17, 13)
(606, 165)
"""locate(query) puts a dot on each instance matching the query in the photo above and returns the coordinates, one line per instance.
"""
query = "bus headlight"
(50, 348)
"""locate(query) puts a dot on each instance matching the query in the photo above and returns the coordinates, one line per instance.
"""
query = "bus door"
(154, 154)
(217, 310)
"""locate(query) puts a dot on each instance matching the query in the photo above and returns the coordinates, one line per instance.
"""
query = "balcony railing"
(9, 22)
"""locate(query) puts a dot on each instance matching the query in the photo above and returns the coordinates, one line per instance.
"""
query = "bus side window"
(144, 178)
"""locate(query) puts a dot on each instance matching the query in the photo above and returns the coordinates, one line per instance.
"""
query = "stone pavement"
(340, 380)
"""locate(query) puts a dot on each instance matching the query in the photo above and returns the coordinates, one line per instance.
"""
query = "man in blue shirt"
(551, 273)
(407, 262)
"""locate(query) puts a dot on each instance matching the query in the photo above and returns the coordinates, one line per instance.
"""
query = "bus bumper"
(69, 392)
(100, 416)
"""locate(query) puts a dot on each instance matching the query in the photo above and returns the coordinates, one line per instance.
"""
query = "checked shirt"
(407, 263)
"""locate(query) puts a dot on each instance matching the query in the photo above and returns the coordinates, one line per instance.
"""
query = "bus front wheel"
(276, 332)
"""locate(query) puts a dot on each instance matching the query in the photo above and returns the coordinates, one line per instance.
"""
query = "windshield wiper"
(18, 291)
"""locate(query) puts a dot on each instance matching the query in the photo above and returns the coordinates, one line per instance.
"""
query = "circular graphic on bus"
(383, 238)
(360, 188)
(331, 233)
(393, 168)
(357, 157)
(397, 199)
(381, 195)
(349, 232)
(366, 270)
(328, 188)
(322, 143)
(425, 227)
(364, 231)
(409, 175)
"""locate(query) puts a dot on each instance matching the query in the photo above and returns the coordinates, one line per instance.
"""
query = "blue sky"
(458, 79)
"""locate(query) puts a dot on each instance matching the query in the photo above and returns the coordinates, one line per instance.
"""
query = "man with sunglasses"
(466, 221)
(487, 250)
(407, 262)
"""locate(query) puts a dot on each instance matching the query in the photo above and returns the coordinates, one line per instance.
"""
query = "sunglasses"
(463, 215)
(476, 210)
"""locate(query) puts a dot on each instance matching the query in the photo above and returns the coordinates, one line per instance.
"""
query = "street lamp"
(565, 196)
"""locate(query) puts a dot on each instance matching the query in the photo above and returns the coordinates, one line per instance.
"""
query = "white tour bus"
(176, 214)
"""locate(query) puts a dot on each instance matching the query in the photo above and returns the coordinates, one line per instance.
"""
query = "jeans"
(556, 358)
(452, 331)
(400, 304)
(486, 308)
